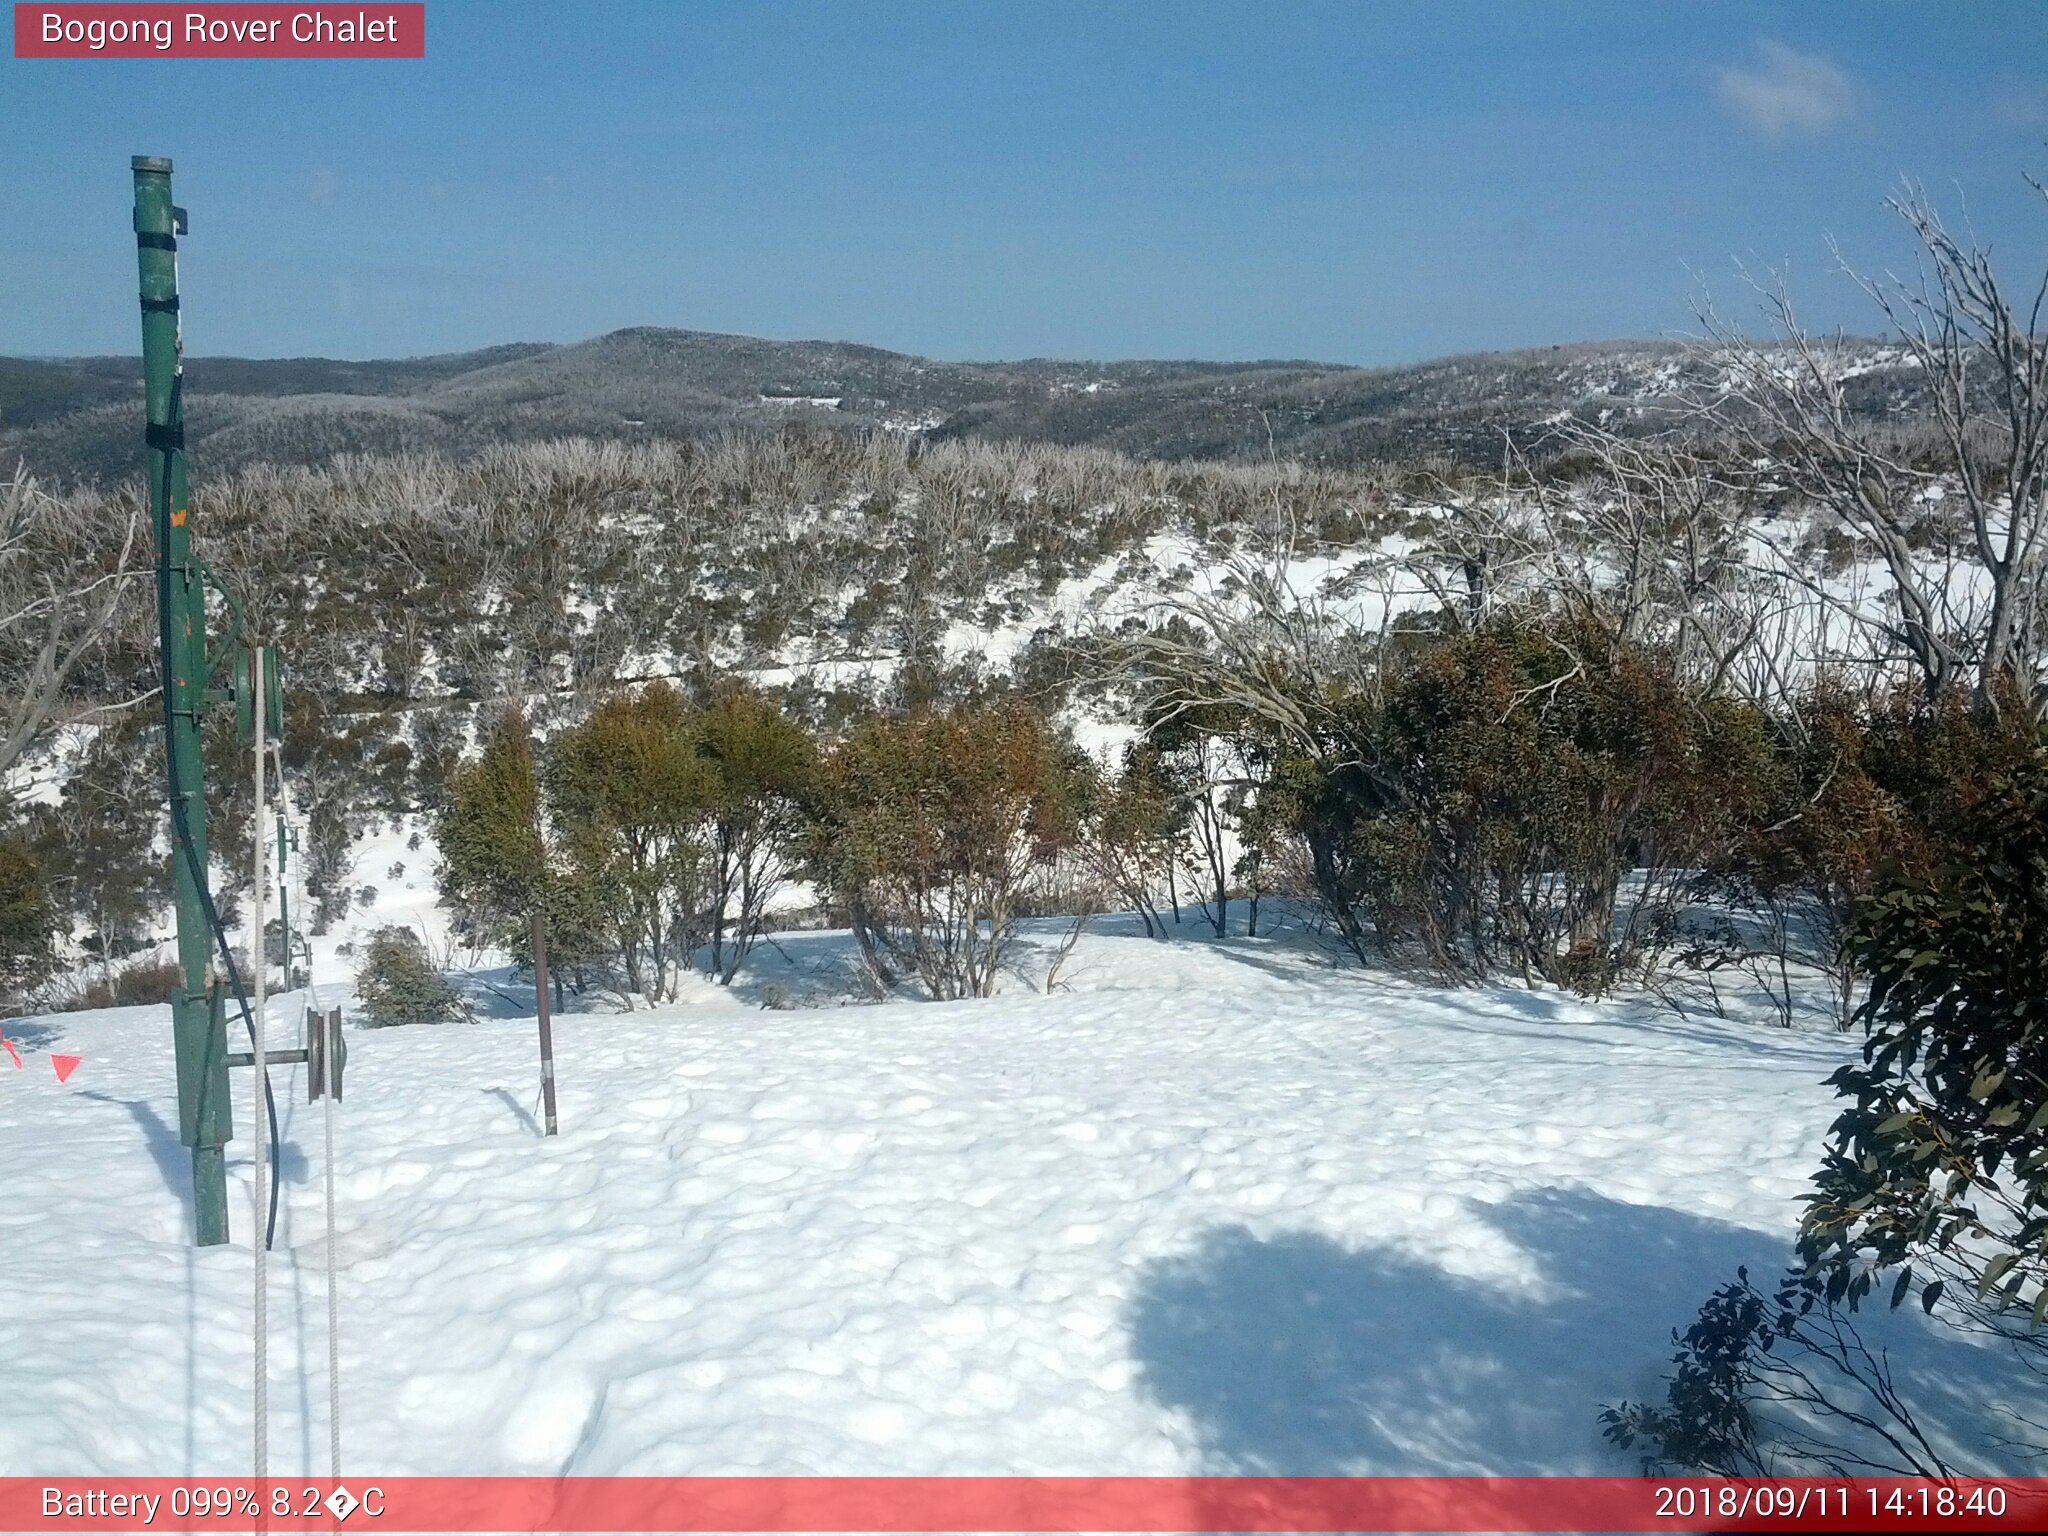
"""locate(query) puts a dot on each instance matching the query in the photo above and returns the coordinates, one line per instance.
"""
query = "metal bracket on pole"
(244, 691)
(328, 1057)
(324, 1045)
(205, 1116)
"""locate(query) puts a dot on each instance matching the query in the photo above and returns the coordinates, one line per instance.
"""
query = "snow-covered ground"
(1209, 1207)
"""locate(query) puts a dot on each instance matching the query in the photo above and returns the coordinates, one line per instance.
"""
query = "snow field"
(1217, 1207)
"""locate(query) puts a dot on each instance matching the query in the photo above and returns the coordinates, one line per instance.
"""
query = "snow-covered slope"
(1211, 1207)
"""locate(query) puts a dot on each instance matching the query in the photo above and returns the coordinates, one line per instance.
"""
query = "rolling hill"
(78, 419)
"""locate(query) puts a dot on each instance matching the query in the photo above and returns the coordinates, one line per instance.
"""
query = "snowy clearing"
(1215, 1207)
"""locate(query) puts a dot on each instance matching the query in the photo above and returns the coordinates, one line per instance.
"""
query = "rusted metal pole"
(547, 1028)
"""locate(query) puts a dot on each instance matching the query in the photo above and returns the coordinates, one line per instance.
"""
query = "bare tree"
(1967, 589)
(57, 602)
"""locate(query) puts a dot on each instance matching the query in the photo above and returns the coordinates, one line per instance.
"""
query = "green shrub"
(1525, 799)
(629, 798)
(766, 769)
(106, 873)
(651, 830)
(1937, 1171)
(398, 984)
(493, 863)
(1941, 1160)
(1858, 790)
(26, 923)
(929, 830)
(147, 981)
(138, 985)
(1130, 829)
(1778, 1384)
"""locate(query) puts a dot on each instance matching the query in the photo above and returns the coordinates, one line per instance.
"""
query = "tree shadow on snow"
(1545, 1016)
(1293, 1355)
(31, 1034)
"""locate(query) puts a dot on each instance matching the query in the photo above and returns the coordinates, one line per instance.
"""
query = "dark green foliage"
(493, 862)
(1937, 1170)
(628, 794)
(1942, 1156)
(398, 984)
(496, 868)
(1483, 810)
(1130, 832)
(648, 831)
(435, 740)
(144, 982)
(929, 831)
(329, 861)
(1867, 788)
(1748, 1354)
(1706, 1422)
(25, 924)
(101, 843)
(1854, 789)
(766, 768)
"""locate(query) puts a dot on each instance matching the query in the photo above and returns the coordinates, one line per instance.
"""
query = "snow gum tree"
(1974, 620)
(931, 829)
(629, 794)
(494, 865)
(62, 589)
(1527, 798)
(766, 767)
(1132, 832)
(1213, 759)
(25, 924)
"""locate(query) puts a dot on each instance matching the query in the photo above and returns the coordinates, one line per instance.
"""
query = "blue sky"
(1356, 182)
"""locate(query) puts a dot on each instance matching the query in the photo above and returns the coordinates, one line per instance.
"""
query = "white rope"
(259, 963)
(333, 1310)
(316, 1018)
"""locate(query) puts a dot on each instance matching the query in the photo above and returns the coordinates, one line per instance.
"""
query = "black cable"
(181, 827)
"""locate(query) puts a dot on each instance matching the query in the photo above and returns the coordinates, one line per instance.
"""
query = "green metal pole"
(198, 1022)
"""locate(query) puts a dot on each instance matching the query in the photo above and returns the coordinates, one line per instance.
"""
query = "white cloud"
(322, 185)
(1787, 92)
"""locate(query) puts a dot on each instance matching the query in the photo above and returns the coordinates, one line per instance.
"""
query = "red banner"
(102, 31)
(1018, 1504)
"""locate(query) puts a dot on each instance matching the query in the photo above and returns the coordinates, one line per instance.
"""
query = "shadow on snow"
(1293, 1355)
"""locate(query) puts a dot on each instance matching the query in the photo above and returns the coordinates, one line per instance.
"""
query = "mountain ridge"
(75, 419)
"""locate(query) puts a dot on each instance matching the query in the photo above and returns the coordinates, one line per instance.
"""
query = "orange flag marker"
(65, 1065)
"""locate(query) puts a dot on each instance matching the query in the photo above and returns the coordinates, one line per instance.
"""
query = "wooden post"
(547, 1031)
